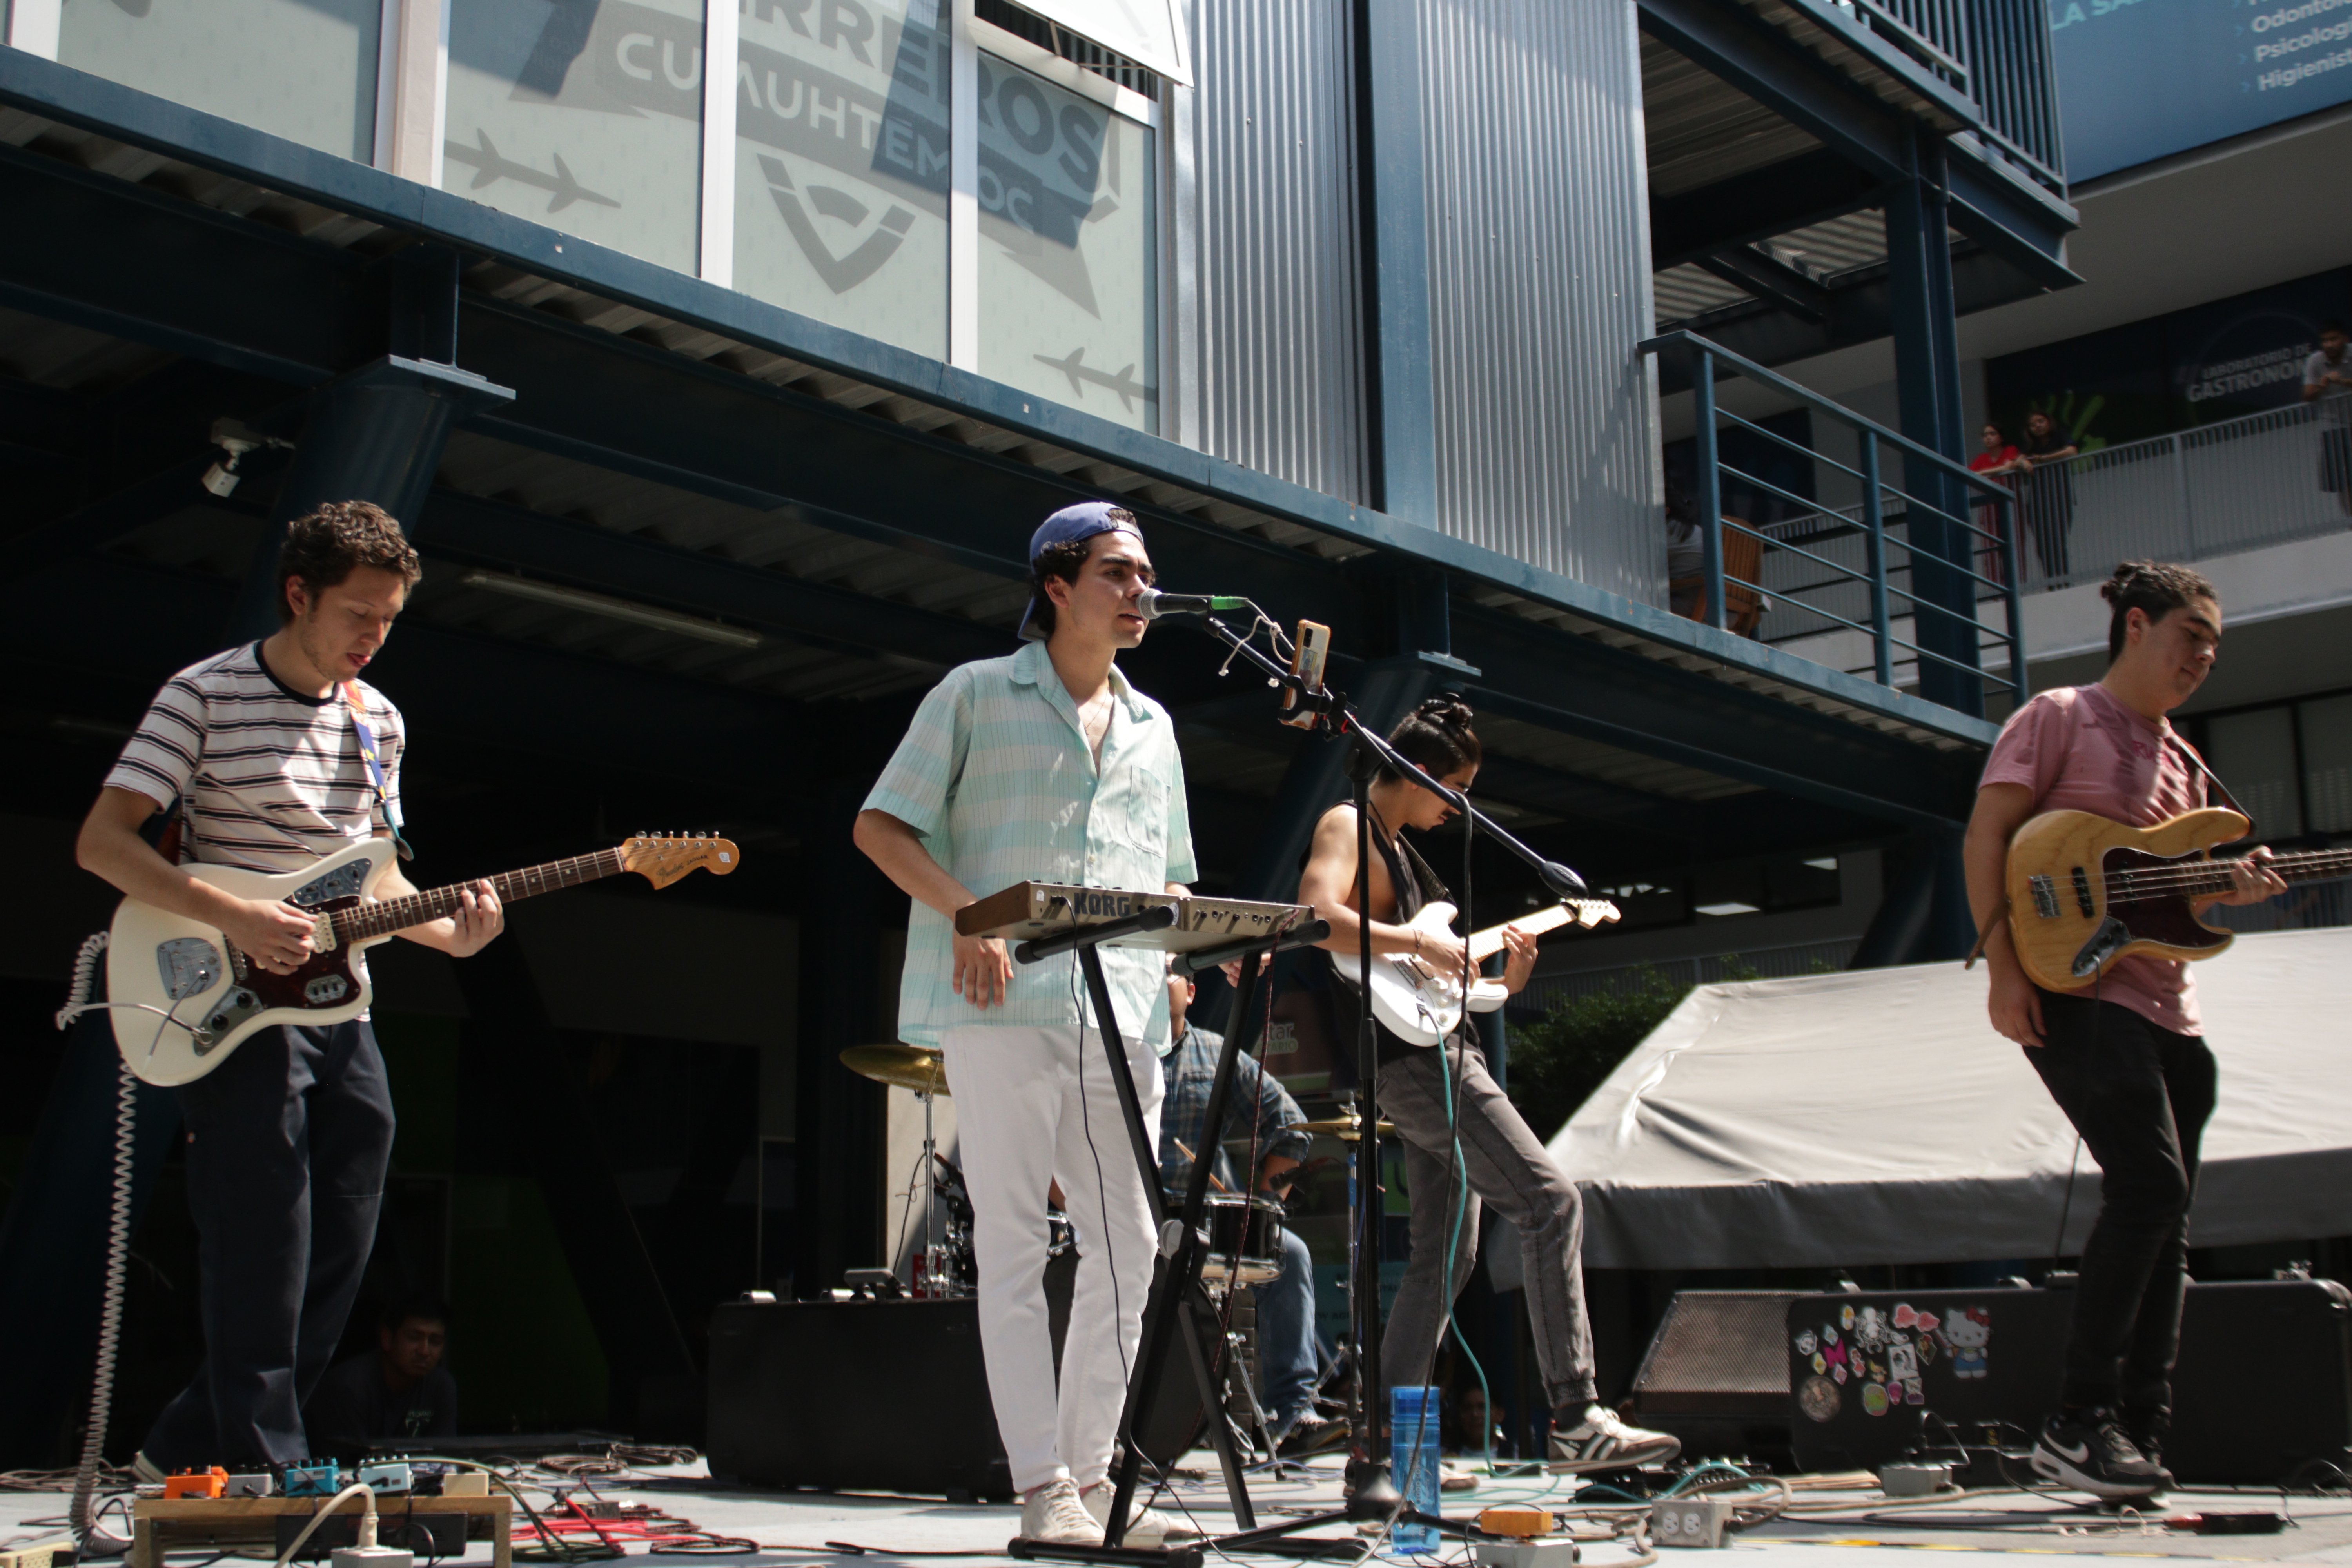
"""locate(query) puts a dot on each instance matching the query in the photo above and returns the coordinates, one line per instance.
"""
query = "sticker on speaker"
(1819, 1398)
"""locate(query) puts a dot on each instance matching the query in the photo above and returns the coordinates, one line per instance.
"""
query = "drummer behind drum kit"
(1244, 1245)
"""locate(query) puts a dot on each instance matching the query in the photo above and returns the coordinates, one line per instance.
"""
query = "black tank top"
(1417, 886)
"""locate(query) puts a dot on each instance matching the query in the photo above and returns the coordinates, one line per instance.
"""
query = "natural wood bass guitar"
(2084, 890)
(1421, 1004)
(190, 998)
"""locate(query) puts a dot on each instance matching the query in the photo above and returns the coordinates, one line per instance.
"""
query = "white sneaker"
(1148, 1529)
(1053, 1514)
(1602, 1442)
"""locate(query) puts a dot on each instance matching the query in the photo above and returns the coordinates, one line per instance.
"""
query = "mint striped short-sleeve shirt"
(994, 773)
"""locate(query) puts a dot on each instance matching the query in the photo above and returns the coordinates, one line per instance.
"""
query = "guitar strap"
(372, 755)
(2210, 776)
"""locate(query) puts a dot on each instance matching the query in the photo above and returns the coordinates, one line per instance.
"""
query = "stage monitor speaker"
(2261, 1395)
(1715, 1376)
(885, 1395)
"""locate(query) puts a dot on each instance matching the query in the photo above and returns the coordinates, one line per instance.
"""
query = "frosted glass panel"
(303, 69)
(1067, 235)
(2327, 763)
(2254, 754)
(584, 115)
(841, 165)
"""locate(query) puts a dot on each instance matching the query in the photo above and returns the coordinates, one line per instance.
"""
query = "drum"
(1245, 1239)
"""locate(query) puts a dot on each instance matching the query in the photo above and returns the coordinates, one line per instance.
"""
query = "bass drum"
(1177, 1421)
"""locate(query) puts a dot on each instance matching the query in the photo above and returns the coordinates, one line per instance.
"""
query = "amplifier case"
(888, 1396)
(865, 1396)
(2262, 1395)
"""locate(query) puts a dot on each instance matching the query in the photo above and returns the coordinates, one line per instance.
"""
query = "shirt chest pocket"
(1140, 819)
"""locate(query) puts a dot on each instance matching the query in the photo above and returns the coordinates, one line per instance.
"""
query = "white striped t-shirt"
(273, 779)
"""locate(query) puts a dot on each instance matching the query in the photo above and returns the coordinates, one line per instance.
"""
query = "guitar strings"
(414, 909)
(2214, 875)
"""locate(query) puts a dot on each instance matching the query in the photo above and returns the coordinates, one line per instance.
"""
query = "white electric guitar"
(1421, 1005)
(187, 998)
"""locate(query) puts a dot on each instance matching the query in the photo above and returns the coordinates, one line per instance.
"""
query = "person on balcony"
(1996, 459)
(2049, 497)
(2328, 381)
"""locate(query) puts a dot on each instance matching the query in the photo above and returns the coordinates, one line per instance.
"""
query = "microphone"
(1153, 603)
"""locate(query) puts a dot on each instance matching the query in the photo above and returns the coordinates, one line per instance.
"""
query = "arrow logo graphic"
(490, 166)
(840, 273)
(1082, 375)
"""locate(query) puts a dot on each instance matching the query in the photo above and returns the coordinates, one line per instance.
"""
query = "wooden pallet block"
(160, 1525)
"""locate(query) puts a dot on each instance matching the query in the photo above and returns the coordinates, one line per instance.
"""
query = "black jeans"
(289, 1140)
(2140, 1095)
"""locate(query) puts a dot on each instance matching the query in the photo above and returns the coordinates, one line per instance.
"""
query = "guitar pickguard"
(2165, 918)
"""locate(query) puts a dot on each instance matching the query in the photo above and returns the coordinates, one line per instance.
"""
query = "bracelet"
(1416, 941)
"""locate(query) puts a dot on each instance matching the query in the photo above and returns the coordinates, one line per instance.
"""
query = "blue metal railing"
(1996, 53)
(1987, 498)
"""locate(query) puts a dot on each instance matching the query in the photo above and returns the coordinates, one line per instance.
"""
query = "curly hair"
(1436, 737)
(2155, 587)
(326, 546)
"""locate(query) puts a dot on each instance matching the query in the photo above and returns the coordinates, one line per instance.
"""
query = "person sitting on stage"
(2126, 1059)
(1046, 766)
(399, 1389)
(1503, 1163)
(1257, 1106)
(264, 752)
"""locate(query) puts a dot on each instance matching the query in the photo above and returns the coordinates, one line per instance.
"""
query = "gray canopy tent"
(1875, 1117)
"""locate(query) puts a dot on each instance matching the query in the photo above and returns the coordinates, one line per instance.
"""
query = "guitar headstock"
(662, 858)
(1590, 913)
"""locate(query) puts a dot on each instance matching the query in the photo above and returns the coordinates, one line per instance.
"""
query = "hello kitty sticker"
(1888, 1354)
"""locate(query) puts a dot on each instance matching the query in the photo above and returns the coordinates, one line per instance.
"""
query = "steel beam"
(1392, 208)
(1762, 203)
(1772, 280)
(1763, 63)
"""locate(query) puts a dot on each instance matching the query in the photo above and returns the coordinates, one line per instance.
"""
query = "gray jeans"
(1508, 1169)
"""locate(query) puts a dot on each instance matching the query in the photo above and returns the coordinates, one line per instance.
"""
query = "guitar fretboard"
(415, 909)
(2197, 878)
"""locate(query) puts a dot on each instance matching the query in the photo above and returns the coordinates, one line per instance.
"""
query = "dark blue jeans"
(289, 1140)
(2140, 1097)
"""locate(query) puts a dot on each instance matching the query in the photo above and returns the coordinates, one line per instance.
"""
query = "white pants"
(1036, 1105)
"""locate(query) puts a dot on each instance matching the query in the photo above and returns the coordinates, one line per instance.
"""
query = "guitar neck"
(415, 909)
(1484, 944)
(2213, 875)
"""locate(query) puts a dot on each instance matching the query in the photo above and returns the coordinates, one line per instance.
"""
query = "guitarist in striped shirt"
(271, 756)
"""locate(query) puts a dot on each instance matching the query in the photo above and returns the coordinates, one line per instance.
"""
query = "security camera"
(234, 438)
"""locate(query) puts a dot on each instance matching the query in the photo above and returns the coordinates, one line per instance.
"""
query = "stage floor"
(1847, 1525)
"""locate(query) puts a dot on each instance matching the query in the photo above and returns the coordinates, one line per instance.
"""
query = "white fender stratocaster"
(195, 997)
(1419, 1004)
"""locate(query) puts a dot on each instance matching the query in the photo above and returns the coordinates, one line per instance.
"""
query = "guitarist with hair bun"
(2126, 1059)
(1504, 1162)
(270, 757)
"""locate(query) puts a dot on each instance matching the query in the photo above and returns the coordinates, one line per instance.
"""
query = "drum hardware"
(1342, 1128)
(944, 1266)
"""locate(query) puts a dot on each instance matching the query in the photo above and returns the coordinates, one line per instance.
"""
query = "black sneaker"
(2089, 1451)
(1312, 1433)
(2147, 1429)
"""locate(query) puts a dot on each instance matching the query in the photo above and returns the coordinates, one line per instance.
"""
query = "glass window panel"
(2254, 754)
(1068, 237)
(585, 115)
(303, 69)
(2327, 763)
(841, 165)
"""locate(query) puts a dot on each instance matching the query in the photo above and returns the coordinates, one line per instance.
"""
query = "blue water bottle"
(1413, 1460)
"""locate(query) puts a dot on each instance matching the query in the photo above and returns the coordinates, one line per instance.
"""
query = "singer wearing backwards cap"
(1046, 766)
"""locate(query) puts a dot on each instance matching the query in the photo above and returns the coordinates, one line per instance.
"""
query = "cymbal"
(1342, 1127)
(910, 1067)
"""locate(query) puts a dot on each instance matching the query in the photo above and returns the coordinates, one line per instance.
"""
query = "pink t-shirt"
(2079, 748)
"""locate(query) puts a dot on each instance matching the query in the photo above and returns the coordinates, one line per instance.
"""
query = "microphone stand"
(1374, 1497)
